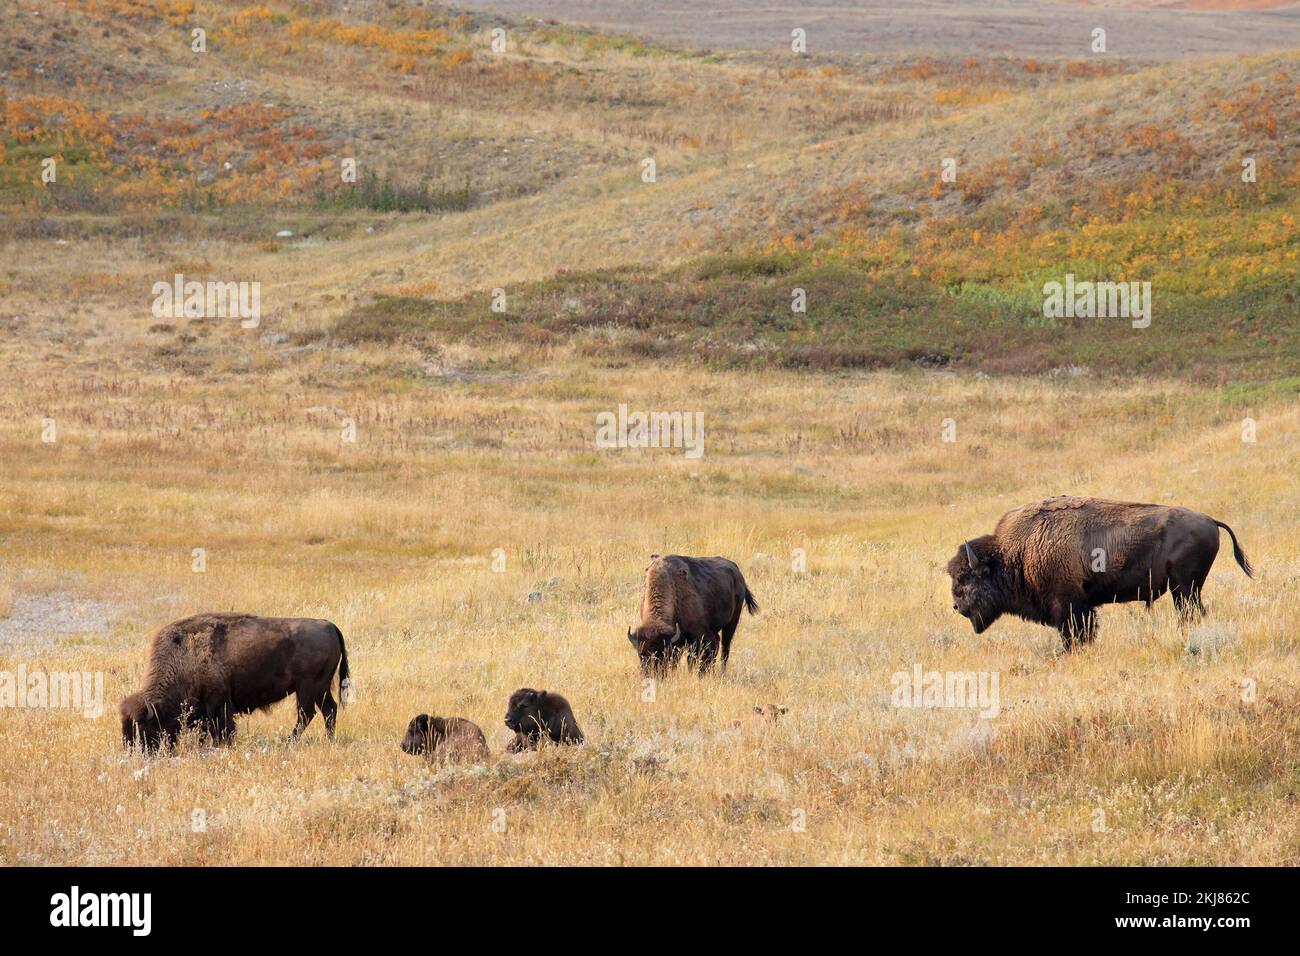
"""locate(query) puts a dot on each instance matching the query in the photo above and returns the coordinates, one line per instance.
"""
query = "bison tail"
(1237, 552)
(345, 680)
(750, 604)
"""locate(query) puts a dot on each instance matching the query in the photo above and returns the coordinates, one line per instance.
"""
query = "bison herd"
(1053, 562)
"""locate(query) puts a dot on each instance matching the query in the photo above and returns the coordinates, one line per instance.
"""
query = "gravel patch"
(38, 621)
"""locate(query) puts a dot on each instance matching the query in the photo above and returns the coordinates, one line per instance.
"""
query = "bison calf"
(205, 670)
(691, 606)
(532, 713)
(762, 718)
(1054, 562)
(445, 738)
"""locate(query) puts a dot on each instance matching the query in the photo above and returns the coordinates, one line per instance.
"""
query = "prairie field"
(393, 539)
(406, 441)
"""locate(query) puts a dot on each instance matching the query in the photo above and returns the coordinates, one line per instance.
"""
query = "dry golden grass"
(392, 538)
(173, 436)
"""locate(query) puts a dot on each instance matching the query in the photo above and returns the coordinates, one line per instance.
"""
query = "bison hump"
(1063, 503)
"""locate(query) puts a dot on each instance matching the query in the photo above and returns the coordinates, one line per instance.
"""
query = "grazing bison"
(531, 713)
(206, 669)
(445, 738)
(690, 605)
(1056, 561)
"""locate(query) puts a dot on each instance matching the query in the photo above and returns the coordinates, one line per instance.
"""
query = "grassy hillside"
(479, 170)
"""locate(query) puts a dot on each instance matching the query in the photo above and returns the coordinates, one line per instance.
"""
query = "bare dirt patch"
(37, 622)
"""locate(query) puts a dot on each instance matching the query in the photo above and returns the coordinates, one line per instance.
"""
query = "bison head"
(978, 591)
(147, 725)
(524, 711)
(656, 647)
(417, 739)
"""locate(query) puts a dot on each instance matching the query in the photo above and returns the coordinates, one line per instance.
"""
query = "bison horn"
(629, 636)
(677, 633)
(970, 554)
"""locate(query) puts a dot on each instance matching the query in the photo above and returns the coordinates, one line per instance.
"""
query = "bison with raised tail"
(1055, 562)
(205, 670)
(690, 605)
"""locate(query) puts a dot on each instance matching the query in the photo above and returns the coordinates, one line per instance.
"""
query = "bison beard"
(532, 713)
(207, 669)
(690, 606)
(1056, 561)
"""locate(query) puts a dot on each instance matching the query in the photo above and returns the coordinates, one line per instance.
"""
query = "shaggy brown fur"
(445, 738)
(532, 713)
(205, 670)
(1055, 561)
(691, 606)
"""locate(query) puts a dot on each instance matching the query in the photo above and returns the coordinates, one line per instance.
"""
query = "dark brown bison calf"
(205, 670)
(532, 713)
(445, 738)
(1056, 561)
(691, 606)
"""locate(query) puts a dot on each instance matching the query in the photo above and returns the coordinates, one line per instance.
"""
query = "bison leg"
(728, 633)
(168, 737)
(694, 651)
(1187, 597)
(707, 650)
(221, 724)
(306, 711)
(1087, 628)
(674, 655)
(1188, 604)
(330, 711)
(1079, 627)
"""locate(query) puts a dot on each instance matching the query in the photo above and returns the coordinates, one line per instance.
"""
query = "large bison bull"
(691, 606)
(1054, 562)
(205, 670)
